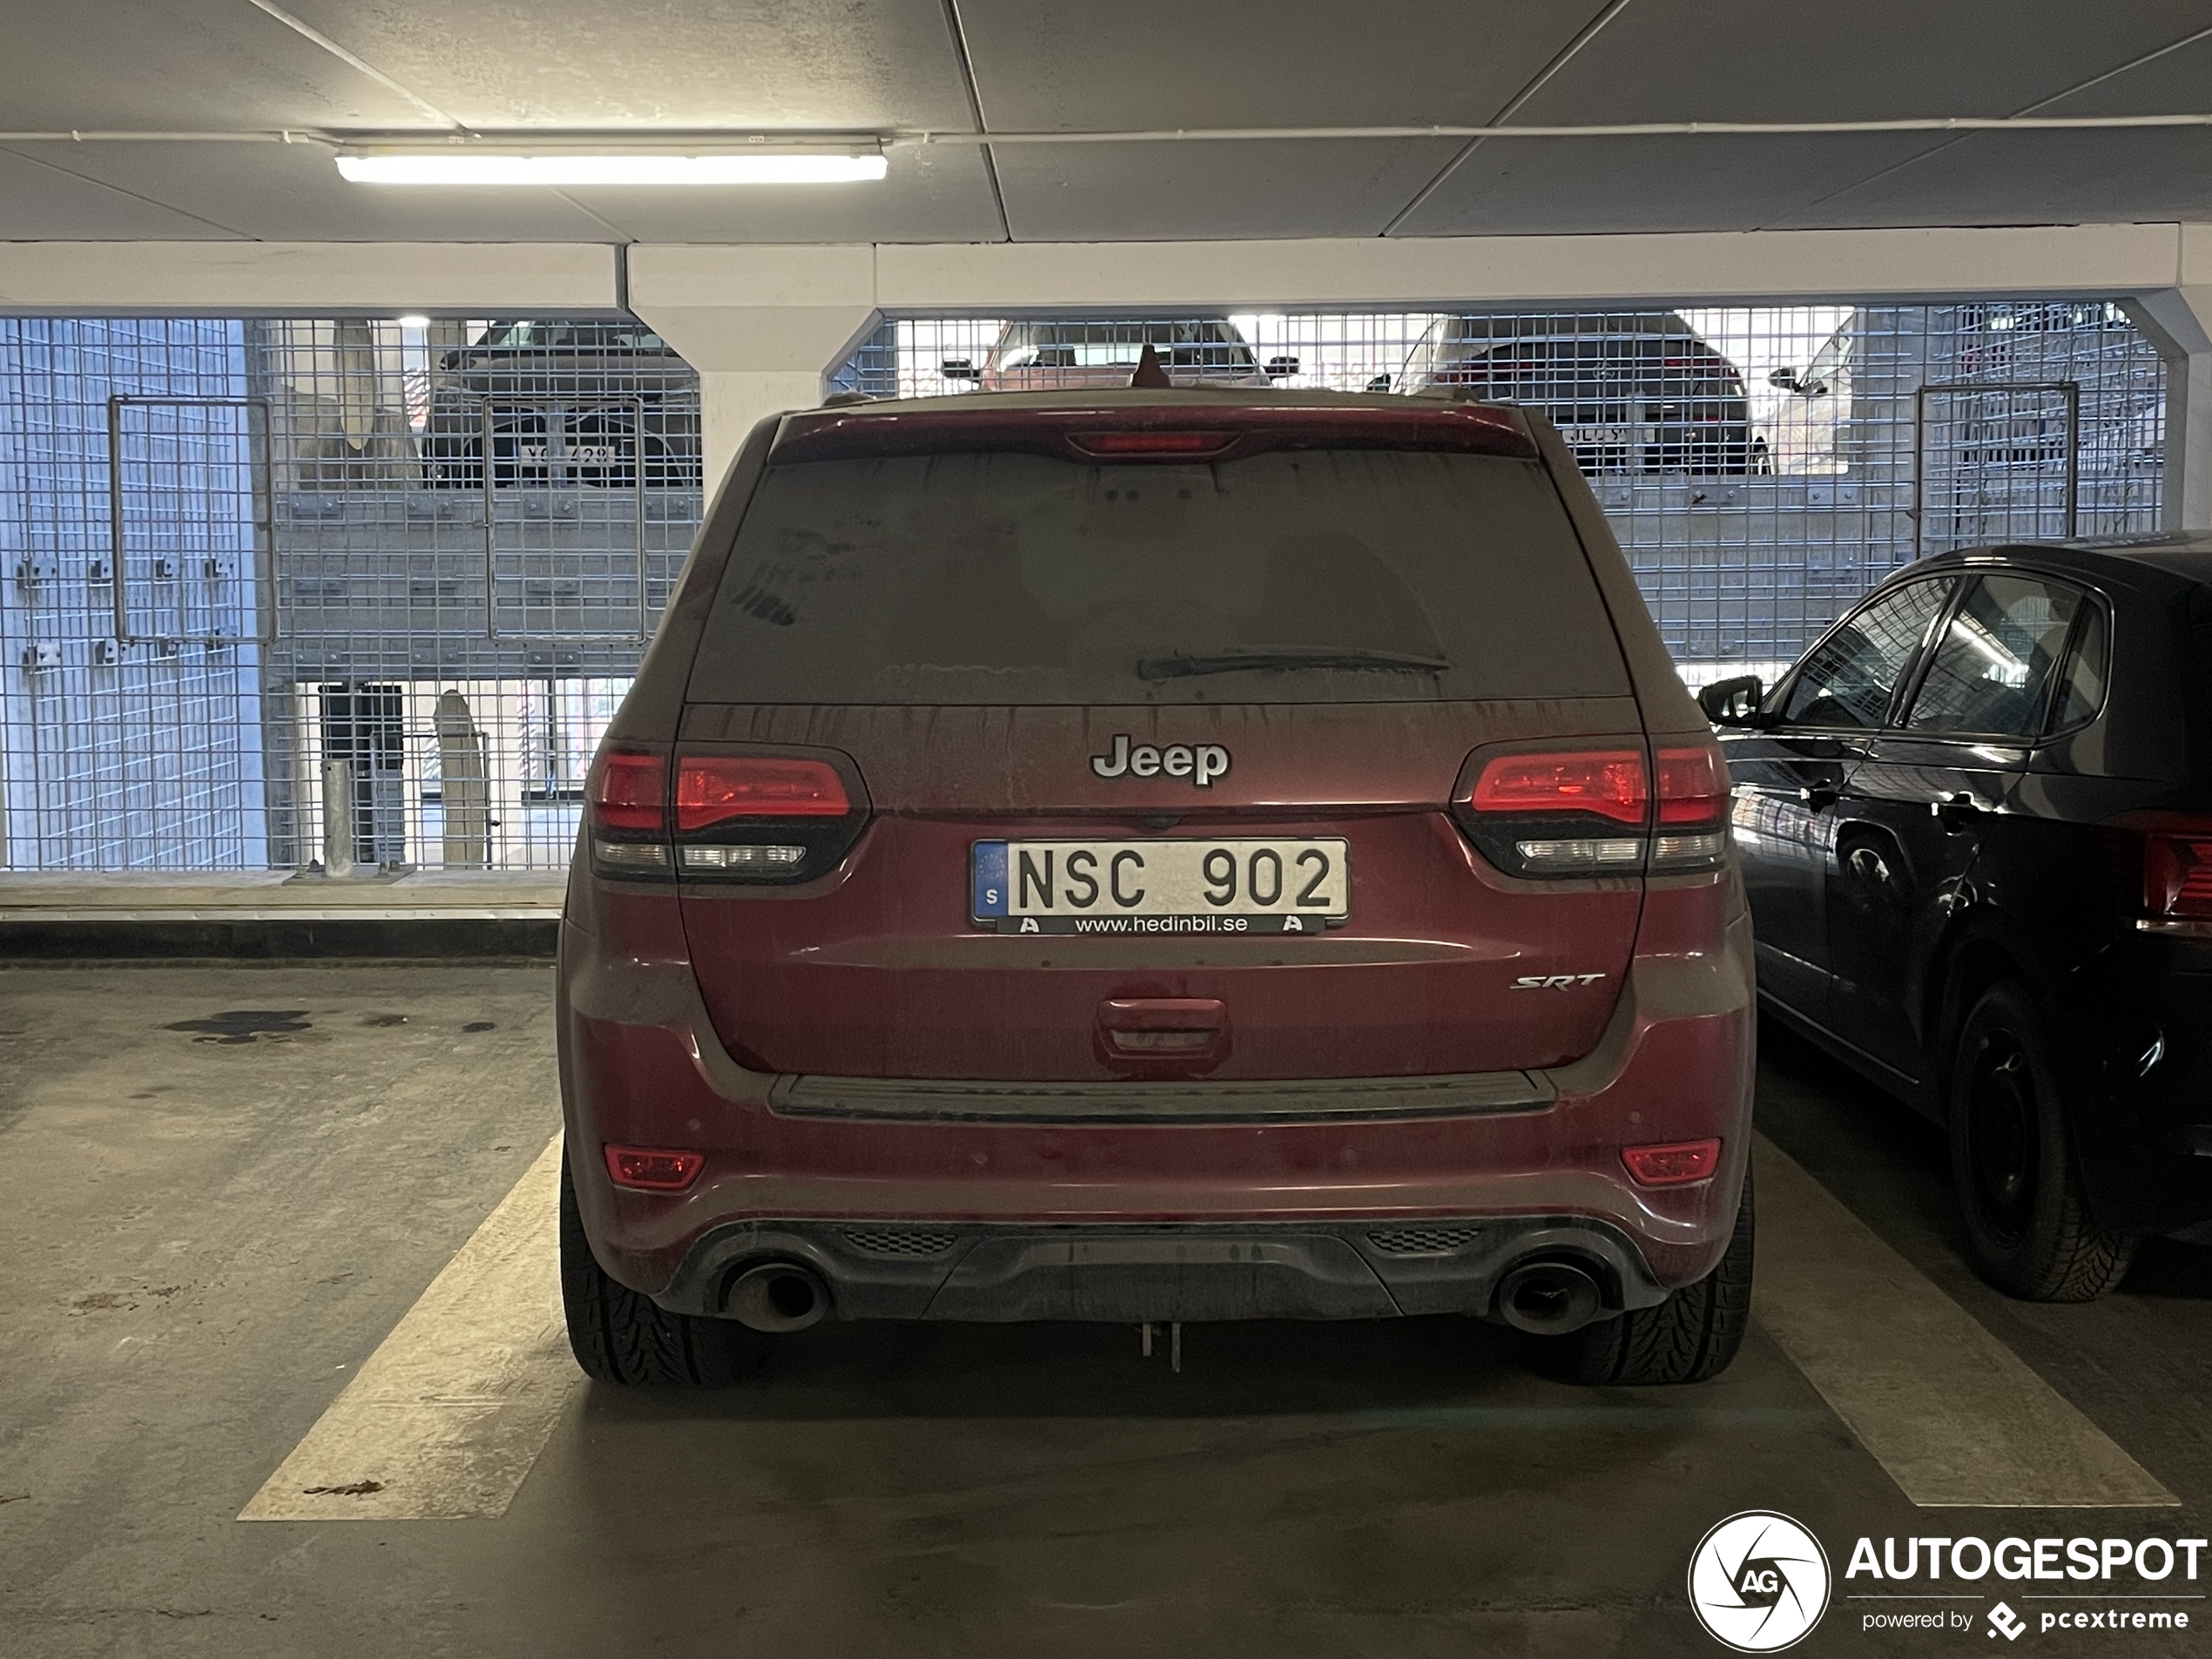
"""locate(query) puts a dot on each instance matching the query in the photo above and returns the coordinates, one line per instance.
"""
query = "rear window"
(1289, 576)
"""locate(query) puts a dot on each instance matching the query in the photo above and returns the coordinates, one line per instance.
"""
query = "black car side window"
(1992, 668)
(2081, 694)
(1850, 676)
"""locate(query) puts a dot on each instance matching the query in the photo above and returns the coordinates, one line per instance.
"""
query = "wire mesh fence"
(278, 591)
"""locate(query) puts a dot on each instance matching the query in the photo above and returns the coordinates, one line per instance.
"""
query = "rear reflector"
(710, 788)
(1673, 1163)
(653, 1168)
(1607, 782)
(629, 791)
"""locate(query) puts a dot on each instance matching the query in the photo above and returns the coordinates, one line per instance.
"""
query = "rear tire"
(618, 1336)
(1689, 1337)
(2013, 1162)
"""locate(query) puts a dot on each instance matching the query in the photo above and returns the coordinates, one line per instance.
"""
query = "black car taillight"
(1570, 813)
(2176, 855)
(772, 818)
(626, 810)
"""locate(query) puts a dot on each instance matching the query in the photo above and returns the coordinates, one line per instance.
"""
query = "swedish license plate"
(1597, 434)
(1177, 886)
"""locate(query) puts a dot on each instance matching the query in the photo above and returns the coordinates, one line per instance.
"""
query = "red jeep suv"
(1156, 855)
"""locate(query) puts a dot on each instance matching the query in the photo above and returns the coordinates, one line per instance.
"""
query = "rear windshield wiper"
(1284, 657)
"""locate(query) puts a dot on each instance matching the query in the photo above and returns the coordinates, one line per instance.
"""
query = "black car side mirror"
(1734, 702)
(959, 369)
(1280, 369)
(1784, 378)
(1380, 384)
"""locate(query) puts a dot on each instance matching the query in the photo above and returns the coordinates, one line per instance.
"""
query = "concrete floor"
(205, 1230)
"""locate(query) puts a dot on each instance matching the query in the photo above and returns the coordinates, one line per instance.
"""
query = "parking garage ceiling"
(212, 83)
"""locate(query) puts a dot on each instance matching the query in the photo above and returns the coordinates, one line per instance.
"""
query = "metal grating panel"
(1758, 463)
(429, 547)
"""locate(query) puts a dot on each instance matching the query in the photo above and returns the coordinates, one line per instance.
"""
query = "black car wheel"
(1689, 1337)
(618, 1336)
(2013, 1160)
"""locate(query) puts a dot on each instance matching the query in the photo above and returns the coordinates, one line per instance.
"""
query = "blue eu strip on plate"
(989, 866)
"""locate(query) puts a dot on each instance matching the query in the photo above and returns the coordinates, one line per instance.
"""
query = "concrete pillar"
(2179, 321)
(765, 327)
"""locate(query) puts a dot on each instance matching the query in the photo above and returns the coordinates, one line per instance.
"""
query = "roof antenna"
(1149, 373)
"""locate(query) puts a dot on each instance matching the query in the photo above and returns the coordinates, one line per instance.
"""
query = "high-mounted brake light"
(1191, 444)
(1607, 782)
(653, 1168)
(711, 789)
(1672, 1164)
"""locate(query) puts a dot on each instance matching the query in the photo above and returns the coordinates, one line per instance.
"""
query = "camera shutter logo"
(1758, 1581)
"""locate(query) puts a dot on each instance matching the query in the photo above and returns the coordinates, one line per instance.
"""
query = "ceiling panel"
(43, 203)
(1647, 184)
(772, 64)
(2179, 83)
(1170, 191)
(192, 64)
(938, 194)
(2037, 179)
(1143, 64)
(292, 192)
(1752, 60)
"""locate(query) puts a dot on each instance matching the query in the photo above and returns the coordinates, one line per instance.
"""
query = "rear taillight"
(2177, 872)
(626, 800)
(711, 789)
(1593, 811)
(754, 818)
(724, 817)
(1692, 809)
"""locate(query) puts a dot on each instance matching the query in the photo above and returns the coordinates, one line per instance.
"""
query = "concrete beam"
(2178, 319)
(303, 278)
(142, 278)
(765, 327)
(1419, 274)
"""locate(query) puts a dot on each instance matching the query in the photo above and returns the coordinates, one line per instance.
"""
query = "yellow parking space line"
(445, 1419)
(1955, 1417)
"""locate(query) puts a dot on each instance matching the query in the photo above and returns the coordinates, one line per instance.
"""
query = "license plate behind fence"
(1241, 885)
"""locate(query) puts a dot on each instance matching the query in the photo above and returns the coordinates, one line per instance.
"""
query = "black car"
(594, 402)
(1631, 391)
(1976, 825)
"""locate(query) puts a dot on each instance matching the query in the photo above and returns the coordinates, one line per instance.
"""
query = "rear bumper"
(1132, 1274)
(1016, 1174)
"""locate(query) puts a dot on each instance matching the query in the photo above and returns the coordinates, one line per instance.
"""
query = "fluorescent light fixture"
(414, 320)
(468, 165)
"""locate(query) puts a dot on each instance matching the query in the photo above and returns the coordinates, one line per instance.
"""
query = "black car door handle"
(1957, 812)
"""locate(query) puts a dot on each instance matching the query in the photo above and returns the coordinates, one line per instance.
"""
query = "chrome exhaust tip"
(1549, 1298)
(777, 1297)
